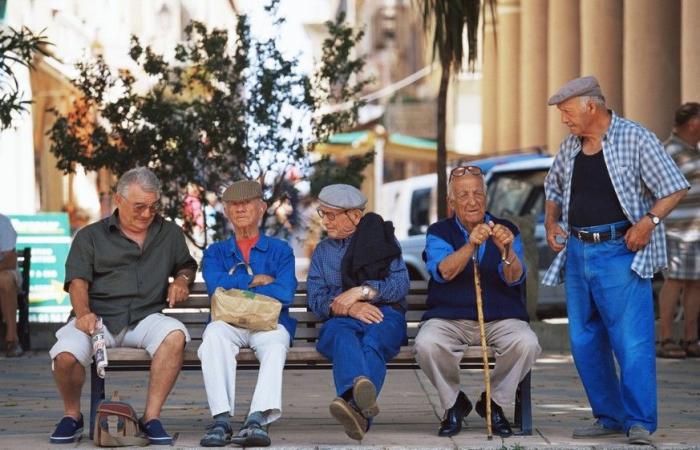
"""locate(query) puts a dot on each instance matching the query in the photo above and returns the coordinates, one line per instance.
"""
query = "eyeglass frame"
(331, 215)
(140, 208)
(472, 170)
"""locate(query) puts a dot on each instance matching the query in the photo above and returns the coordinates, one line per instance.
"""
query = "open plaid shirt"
(641, 173)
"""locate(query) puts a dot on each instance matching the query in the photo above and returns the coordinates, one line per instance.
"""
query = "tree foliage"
(219, 112)
(16, 47)
(448, 20)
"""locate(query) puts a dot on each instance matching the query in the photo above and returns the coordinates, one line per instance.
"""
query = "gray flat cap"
(578, 87)
(342, 196)
(242, 190)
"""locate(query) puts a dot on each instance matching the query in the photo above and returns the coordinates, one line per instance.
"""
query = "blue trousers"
(356, 348)
(611, 316)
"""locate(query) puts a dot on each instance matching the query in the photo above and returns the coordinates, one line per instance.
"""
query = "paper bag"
(245, 309)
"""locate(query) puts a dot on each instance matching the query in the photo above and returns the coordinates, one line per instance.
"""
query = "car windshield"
(517, 193)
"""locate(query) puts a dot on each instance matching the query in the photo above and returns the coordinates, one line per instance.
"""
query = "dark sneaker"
(365, 395)
(218, 434)
(14, 350)
(354, 423)
(594, 430)
(639, 435)
(252, 435)
(68, 430)
(155, 432)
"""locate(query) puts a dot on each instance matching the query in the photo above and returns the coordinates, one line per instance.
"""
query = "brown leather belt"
(595, 237)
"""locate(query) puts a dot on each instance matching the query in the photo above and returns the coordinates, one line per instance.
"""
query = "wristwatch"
(187, 278)
(366, 292)
(654, 219)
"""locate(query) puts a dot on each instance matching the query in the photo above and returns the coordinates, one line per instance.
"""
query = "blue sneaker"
(68, 430)
(155, 432)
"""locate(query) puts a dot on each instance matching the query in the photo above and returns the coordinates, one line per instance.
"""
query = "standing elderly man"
(118, 270)
(683, 241)
(450, 323)
(357, 283)
(250, 261)
(9, 282)
(609, 187)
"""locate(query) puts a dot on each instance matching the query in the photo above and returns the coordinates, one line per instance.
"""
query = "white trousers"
(221, 343)
(441, 343)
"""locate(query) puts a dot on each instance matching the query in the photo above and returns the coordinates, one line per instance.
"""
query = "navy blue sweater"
(456, 299)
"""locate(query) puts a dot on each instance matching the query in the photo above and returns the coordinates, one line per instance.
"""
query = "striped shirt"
(641, 173)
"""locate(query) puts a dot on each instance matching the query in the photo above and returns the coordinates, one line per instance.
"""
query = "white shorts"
(147, 334)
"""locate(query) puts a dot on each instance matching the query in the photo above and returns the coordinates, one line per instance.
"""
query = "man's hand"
(342, 303)
(479, 234)
(261, 280)
(178, 291)
(86, 323)
(501, 236)
(554, 230)
(366, 312)
(639, 235)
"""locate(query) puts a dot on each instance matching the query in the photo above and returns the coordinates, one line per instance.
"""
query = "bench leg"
(523, 407)
(97, 393)
(23, 322)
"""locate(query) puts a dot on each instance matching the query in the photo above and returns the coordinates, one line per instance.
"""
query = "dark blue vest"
(456, 299)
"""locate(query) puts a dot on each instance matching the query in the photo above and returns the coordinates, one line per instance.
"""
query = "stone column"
(690, 51)
(489, 112)
(563, 60)
(508, 53)
(652, 69)
(601, 47)
(533, 73)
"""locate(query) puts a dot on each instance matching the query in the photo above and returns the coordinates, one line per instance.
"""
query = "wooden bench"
(302, 355)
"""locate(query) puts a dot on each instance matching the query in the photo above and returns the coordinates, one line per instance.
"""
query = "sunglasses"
(330, 215)
(140, 208)
(462, 170)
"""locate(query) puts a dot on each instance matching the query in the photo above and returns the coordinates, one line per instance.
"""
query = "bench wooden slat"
(297, 354)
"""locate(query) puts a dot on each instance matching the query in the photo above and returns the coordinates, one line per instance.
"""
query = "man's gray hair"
(142, 176)
(599, 101)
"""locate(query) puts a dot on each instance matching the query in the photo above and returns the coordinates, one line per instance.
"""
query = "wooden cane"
(482, 333)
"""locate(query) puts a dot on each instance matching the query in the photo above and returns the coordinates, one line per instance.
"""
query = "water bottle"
(99, 348)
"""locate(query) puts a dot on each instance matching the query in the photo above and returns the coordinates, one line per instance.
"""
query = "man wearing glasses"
(358, 283)
(118, 270)
(450, 324)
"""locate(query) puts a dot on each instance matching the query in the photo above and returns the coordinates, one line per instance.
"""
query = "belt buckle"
(596, 237)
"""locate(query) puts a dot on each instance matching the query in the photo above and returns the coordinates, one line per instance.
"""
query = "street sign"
(49, 237)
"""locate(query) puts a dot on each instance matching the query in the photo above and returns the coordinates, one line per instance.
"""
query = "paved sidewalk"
(410, 412)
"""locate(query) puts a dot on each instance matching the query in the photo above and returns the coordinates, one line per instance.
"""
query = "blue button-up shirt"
(223, 266)
(641, 173)
(436, 249)
(324, 281)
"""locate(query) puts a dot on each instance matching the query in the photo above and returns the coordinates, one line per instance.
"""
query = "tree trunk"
(441, 144)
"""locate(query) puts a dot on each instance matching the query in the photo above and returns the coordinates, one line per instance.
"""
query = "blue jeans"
(611, 312)
(356, 348)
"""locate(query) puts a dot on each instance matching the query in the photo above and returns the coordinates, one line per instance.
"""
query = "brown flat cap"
(242, 190)
(578, 87)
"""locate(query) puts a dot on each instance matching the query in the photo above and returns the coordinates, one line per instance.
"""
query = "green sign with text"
(48, 235)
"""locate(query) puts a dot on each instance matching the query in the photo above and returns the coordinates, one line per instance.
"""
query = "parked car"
(516, 189)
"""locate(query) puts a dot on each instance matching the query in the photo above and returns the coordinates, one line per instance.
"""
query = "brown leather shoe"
(669, 349)
(353, 422)
(692, 348)
(365, 395)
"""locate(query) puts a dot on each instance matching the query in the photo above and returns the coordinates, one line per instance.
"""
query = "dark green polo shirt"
(127, 283)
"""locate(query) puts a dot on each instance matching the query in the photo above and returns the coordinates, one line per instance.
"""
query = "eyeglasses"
(330, 215)
(461, 170)
(140, 208)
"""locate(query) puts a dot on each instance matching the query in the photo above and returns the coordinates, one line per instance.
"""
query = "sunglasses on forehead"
(461, 170)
